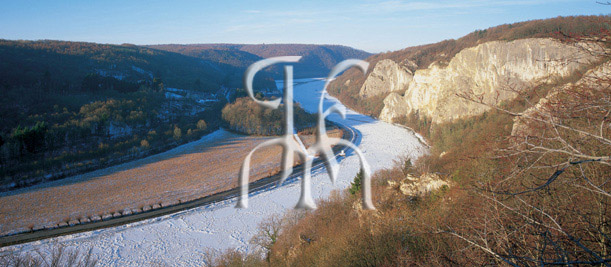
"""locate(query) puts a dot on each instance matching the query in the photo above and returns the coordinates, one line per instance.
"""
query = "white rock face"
(394, 103)
(386, 76)
(418, 186)
(486, 70)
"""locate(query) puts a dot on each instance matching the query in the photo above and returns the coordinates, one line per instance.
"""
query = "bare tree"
(269, 229)
(58, 256)
(552, 207)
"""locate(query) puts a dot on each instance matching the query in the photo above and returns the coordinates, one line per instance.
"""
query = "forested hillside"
(69, 107)
(232, 62)
(317, 60)
(61, 66)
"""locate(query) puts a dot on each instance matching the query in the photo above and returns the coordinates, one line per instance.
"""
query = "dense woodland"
(562, 28)
(66, 135)
(246, 116)
(534, 197)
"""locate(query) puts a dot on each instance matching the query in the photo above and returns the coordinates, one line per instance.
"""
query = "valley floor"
(182, 239)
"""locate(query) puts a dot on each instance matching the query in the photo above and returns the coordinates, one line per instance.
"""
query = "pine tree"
(407, 165)
(355, 186)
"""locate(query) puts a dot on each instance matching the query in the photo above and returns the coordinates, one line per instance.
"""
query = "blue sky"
(374, 26)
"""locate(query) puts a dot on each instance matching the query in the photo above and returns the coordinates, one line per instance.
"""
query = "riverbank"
(182, 238)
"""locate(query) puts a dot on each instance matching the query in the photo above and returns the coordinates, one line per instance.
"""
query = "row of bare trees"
(552, 206)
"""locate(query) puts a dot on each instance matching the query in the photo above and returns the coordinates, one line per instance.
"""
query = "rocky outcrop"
(418, 186)
(387, 76)
(411, 187)
(396, 103)
(486, 70)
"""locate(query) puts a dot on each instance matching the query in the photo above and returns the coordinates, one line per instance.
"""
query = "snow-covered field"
(181, 239)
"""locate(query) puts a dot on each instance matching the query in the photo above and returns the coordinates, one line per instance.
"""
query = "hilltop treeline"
(62, 66)
(231, 62)
(317, 60)
(247, 117)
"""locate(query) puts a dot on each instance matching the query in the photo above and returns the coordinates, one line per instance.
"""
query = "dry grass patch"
(188, 172)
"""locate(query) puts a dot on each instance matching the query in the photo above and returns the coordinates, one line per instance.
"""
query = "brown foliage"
(539, 196)
(246, 116)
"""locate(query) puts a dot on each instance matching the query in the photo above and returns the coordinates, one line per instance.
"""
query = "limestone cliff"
(484, 70)
(386, 76)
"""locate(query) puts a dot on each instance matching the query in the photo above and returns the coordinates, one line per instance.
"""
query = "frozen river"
(181, 239)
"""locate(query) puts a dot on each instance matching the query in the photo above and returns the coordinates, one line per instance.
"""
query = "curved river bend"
(182, 238)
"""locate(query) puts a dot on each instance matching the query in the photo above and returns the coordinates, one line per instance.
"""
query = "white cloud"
(402, 6)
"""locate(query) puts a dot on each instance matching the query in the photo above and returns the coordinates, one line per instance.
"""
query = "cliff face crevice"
(387, 76)
(486, 70)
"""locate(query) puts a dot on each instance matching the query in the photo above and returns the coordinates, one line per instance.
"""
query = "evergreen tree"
(355, 186)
